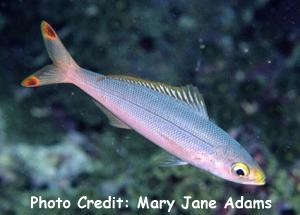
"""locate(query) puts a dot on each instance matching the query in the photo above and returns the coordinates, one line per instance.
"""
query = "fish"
(174, 118)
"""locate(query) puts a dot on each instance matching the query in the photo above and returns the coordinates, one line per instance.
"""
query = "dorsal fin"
(188, 94)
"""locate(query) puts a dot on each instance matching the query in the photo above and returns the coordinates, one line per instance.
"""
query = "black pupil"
(240, 172)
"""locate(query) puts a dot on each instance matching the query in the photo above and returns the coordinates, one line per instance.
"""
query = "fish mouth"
(259, 177)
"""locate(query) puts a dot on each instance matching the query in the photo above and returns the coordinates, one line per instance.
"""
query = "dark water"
(244, 56)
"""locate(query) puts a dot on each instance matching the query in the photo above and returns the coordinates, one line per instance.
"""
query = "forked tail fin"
(63, 64)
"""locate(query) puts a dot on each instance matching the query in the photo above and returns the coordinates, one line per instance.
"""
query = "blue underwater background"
(244, 56)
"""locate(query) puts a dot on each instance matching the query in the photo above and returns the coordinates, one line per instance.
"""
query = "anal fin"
(113, 120)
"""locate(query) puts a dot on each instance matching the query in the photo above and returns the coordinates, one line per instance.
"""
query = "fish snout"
(258, 176)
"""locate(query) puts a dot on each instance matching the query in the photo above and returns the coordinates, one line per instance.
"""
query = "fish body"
(174, 118)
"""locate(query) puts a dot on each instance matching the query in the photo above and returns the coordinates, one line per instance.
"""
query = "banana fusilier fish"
(174, 118)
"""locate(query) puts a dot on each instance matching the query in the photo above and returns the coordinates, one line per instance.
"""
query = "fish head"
(235, 165)
(242, 168)
(246, 173)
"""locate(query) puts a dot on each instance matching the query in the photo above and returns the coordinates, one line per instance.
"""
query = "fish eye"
(240, 169)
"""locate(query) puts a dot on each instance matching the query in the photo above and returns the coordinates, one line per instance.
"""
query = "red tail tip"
(31, 81)
(47, 31)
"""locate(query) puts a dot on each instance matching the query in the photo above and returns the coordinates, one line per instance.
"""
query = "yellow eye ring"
(240, 169)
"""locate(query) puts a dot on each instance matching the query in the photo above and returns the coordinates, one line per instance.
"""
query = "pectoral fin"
(173, 161)
(113, 120)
